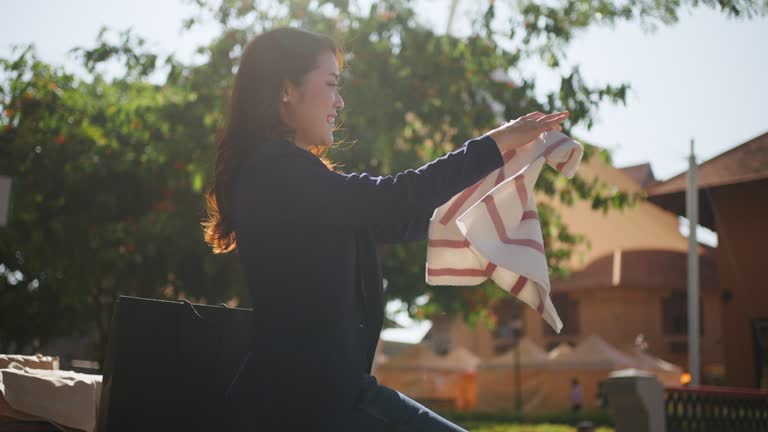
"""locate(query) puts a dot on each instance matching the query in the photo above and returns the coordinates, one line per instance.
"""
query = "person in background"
(602, 400)
(576, 395)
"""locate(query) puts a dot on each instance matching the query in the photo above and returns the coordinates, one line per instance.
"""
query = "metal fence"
(716, 409)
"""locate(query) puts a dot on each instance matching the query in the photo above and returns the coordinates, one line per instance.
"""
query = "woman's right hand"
(521, 131)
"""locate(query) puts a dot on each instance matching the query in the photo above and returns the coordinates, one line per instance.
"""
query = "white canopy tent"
(531, 355)
(459, 359)
(593, 353)
(559, 350)
(419, 356)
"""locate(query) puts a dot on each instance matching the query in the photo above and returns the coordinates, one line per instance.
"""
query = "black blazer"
(306, 240)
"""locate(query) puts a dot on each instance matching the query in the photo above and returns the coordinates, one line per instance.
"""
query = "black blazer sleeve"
(295, 188)
(414, 230)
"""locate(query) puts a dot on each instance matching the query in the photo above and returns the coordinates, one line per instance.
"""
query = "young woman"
(306, 237)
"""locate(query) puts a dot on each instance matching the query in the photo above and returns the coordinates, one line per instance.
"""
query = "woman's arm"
(291, 187)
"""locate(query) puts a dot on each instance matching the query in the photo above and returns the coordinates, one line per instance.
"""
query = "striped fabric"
(491, 229)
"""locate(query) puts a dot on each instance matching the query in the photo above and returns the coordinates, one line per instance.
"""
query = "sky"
(703, 78)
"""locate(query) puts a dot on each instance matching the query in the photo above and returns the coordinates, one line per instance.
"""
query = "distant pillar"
(636, 400)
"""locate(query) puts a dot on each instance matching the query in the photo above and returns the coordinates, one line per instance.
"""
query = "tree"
(109, 173)
(108, 180)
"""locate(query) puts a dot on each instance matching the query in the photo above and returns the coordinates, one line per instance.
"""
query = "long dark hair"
(282, 54)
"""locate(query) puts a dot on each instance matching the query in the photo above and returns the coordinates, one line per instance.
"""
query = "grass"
(521, 427)
(505, 421)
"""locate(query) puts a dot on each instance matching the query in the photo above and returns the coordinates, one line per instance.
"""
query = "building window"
(674, 314)
(678, 347)
(568, 309)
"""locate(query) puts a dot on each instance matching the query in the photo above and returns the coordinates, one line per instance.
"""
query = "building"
(733, 200)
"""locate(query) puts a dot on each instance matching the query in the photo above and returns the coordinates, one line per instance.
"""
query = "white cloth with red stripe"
(491, 229)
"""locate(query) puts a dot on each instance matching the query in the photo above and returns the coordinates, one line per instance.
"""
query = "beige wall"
(619, 314)
(616, 314)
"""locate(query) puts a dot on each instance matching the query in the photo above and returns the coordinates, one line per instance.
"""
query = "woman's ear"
(288, 93)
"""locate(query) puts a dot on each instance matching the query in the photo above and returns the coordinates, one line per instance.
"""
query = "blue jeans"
(382, 409)
(377, 409)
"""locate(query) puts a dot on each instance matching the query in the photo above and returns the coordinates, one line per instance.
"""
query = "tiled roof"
(746, 162)
(642, 174)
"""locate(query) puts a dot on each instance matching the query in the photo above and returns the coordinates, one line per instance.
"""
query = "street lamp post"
(516, 332)
(5, 199)
(692, 211)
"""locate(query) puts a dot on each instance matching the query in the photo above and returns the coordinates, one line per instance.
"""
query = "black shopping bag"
(169, 364)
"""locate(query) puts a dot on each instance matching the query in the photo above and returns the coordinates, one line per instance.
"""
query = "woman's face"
(311, 108)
